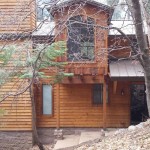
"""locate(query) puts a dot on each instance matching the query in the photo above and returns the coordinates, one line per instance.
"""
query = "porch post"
(58, 106)
(104, 104)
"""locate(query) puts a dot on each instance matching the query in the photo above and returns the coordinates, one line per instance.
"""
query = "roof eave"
(104, 7)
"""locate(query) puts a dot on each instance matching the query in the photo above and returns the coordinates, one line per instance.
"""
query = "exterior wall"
(18, 112)
(119, 47)
(72, 102)
(100, 17)
(118, 107)
(17, 16)
(75, 109)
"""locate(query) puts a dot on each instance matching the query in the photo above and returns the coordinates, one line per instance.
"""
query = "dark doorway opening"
(139, 111)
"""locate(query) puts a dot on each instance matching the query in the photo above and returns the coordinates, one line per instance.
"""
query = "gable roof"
(67, 3)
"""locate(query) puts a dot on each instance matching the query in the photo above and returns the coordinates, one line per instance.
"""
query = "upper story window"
(147, 6)
(121, 11)
(42, 13)
(80, 38)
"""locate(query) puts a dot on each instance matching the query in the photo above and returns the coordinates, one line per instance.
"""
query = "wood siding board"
(58, 106)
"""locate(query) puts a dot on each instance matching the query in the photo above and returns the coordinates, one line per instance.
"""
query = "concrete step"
(88, 136)
(68, 141)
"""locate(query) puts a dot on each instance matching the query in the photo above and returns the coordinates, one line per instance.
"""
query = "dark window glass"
(97, 94)
(80, 38)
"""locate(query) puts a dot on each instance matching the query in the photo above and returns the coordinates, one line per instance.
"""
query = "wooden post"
(58, 106)
(114, 87)
(104, 104)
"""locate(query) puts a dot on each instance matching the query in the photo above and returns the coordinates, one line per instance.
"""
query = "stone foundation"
(58, 133)
(15, 140)
(46, 135)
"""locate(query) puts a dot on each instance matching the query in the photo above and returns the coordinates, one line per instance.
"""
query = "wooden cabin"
(95, 96)
(98, 95)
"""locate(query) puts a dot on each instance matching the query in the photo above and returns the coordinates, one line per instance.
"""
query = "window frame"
(102, 88)
(90, 60)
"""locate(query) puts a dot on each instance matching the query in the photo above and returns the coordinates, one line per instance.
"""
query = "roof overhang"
(62, 5)
(126, 70)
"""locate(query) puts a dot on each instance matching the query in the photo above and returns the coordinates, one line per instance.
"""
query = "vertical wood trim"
(95, 39)
(104, 104)
(32, 14)
(114, 87)
(106, 46)
(30, 5)
(130, 84)
(58, 106)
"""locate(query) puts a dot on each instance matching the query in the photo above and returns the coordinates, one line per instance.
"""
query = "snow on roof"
(46, 28)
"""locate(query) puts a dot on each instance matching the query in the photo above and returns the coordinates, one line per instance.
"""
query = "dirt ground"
(132, 138)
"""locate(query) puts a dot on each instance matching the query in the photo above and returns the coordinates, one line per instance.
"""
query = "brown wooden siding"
(100, 17)
(118, 107)
(72, 102)
(17, 16)
(119, 48)
(76, 108)
(18, 112)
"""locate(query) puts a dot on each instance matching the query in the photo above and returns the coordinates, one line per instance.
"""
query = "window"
(147, 6)
(42, 12)
(121, 11)
(80, 39)
(112, 2)
(97, 93)
(47, 100)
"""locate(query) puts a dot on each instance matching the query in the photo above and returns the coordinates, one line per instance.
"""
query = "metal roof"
(127, 70)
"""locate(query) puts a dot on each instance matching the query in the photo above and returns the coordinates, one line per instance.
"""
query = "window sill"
(47, 116)
(97, 105)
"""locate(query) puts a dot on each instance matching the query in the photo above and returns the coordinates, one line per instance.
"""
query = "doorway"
(139, 111)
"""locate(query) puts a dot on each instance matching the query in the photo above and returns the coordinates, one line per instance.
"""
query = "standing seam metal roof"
(126, 69)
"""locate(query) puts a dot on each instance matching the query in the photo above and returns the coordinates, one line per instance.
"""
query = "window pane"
(97, 94)
(42, 12)
(80, 38)
(47, 99)
(121, 11)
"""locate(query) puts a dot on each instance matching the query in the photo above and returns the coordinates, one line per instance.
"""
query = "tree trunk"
(147, 83)
(34, 129)
(143, 46)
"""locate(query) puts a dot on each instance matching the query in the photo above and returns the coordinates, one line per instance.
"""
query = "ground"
(133, 138)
